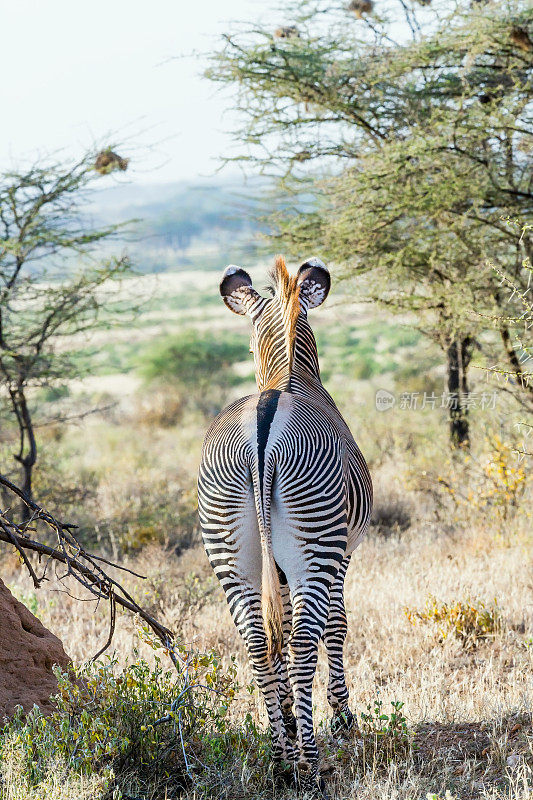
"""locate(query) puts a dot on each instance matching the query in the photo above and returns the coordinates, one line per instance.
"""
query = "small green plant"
(376, 723)
(468, 621)
(385, 736)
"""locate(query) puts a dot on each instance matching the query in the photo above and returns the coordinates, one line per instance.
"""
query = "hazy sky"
(74, 71)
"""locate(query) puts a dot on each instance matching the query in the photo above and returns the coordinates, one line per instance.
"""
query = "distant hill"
(203, 224)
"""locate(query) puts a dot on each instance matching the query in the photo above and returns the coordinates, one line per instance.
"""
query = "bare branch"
(82, 566)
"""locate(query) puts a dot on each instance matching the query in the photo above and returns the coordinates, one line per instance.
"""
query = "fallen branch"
(80, 565)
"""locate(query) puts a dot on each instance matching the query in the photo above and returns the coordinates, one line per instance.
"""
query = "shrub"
(390, 515)
(492, 485)
(506, 479)
(198, 363)
(495, 482)
(146, 509)
(186, 600)
(49, 394)
(385, 736)
(469, 622)
(136, 730)
(160, 409)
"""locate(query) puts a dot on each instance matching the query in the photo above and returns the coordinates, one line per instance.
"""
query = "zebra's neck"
(290, 365)
(303, 370)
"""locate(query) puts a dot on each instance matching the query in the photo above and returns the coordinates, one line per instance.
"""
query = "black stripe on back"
(266, 408)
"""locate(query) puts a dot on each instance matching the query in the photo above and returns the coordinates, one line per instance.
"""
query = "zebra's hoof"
(284, 774)
(315, 790)
(342, 721)
(310, 787)
(291, 728)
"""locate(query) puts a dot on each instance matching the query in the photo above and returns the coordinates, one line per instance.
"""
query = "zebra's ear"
(237, 290)
(314, 283)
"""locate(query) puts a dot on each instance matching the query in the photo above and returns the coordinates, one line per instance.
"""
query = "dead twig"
(82, 566)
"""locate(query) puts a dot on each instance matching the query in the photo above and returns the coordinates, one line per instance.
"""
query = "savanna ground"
(439, 595)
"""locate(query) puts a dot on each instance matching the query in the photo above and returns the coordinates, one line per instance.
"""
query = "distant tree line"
(206, 213)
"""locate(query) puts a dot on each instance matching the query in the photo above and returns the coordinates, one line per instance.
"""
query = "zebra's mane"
(286, 292)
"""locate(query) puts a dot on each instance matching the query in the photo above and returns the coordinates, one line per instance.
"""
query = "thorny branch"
(81, 565)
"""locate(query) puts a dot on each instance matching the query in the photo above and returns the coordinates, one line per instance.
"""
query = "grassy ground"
(445, 531)
(467, 706)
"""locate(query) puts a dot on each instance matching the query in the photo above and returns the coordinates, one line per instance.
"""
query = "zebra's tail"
(271, 602)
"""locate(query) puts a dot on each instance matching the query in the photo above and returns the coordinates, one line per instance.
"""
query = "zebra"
(284, 497)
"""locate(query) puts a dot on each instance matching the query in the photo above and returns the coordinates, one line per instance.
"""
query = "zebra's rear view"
(284, 498)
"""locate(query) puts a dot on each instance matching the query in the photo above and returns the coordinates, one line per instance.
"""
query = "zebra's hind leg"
(310, 609)
(286, 772)
(234, 550)
(285, 689)
(250, 625)
(334, 637)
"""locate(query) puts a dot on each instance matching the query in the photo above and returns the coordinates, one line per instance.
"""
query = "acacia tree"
(51, 277)
(518, 325)
(411, 126)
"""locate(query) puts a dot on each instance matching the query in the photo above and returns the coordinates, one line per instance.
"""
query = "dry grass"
(468, 712)
(56, 786)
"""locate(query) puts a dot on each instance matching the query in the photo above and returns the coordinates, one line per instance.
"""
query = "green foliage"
(366, 350)
(515, 323)
(141, 729)
(384, 726)
(192, 355)
(426, 133)
(43, 228)
(385, 736)
(380, 740)
(50, 394)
